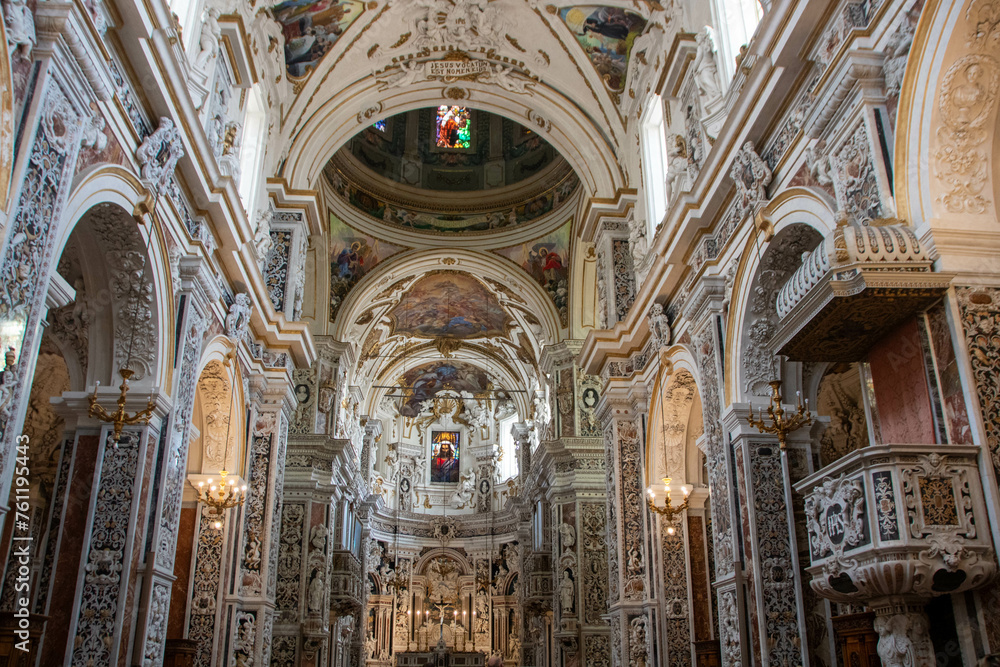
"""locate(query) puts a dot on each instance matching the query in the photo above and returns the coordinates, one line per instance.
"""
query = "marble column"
(774, 594)
(628, 559)
(704, 311)
(159, 563)
(53, 130)
(251, 595)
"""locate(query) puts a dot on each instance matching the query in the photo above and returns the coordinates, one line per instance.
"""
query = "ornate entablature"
(858, 284)
(894, 521)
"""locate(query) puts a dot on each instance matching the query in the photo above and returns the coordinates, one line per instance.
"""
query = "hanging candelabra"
(669, 510)
(226, 494)
(120, 418)
(222, 496)
(781, 423)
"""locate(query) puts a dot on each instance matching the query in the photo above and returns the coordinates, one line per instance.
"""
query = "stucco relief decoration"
(835, 515)
(980, 317)
(205, 589)
(216, 396)
(659, 325)
(856, 182)
(751, 176)
(729, 628)
(774, 539)
(458, 67)
(19, 23)
(588, 394)
(780, 261)
(290, 562)
(238, 318)
(677, 401)
(624, 278)
(246, 632)
(966, 104)
(157, 629)
(718, 480)
(614, 548)
(632, 506)
(257, 495)
(179, 439)
(102, 584)
(158, 155)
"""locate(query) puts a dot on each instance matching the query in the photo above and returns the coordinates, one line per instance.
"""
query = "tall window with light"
(737, 21)
(453, 127)
(654, 160)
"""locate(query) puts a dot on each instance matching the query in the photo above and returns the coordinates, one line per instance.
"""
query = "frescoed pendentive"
(449, 304)
(311, 28)
(424, 382)
(607, 35)
(547, 261)
(352, 255)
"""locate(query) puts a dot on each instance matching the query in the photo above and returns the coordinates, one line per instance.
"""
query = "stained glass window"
(453, 127)
(444, 456)
(379, 125)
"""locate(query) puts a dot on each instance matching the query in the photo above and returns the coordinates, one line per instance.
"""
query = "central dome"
(451, 169)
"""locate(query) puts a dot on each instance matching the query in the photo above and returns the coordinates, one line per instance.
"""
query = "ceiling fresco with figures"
(311, 28)
(549, 64)
(449, 304)
(606, 35)
(547, 261)
(352, 255)
(425, 381)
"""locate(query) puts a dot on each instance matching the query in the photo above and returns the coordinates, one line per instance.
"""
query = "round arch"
(805, 207)
(219, 411)
(113, 185)
(944, 174)
(417, 263)
(675, 422)
(562, 124)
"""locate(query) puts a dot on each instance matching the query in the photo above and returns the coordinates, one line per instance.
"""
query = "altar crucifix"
(442, 605)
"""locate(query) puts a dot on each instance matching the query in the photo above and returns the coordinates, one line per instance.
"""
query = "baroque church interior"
(379, 333)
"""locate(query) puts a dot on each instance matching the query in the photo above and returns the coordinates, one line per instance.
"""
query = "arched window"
(654, 158)
(737, 21)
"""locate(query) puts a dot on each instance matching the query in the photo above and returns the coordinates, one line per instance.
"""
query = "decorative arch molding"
(114, 185)
(563, 124)
(423, 562)
(674, 403)
(219, 371)
(412, 265)
(501, 369)
(959, 189)
(485, 240)
(795, 206)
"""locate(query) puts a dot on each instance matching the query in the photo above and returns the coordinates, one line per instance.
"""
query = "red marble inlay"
(699, 579)
(182, 570)
(69, 568)
(901, 393)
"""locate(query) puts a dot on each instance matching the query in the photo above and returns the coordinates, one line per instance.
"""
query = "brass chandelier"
(781, 425)
(226, 494)
(669, 511)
